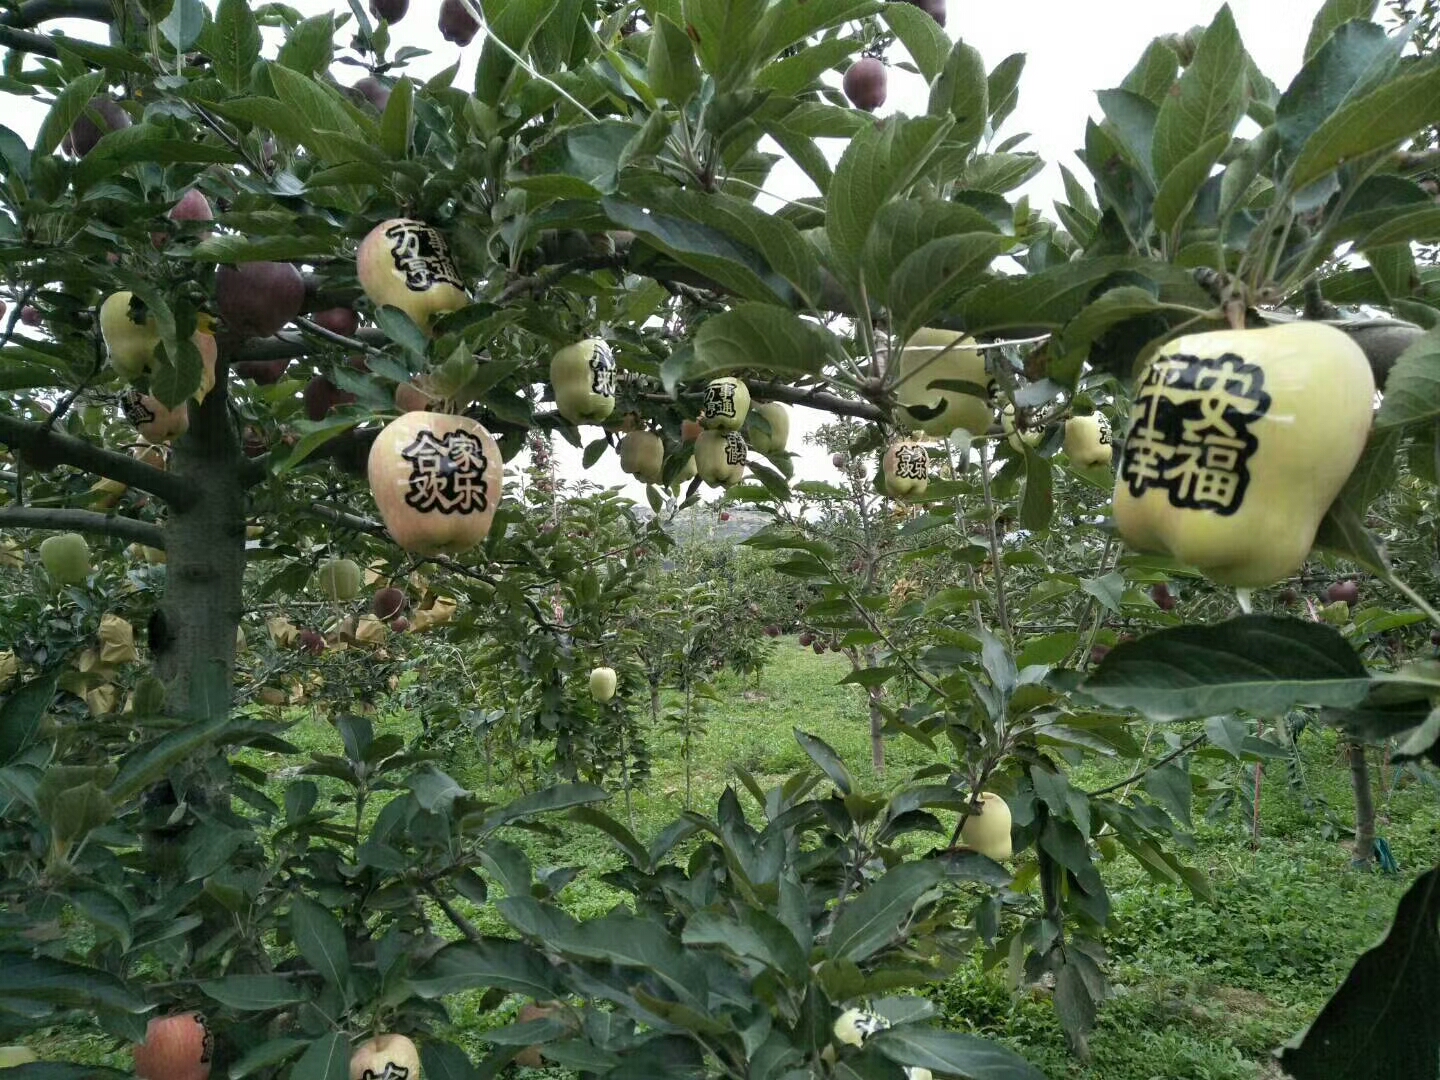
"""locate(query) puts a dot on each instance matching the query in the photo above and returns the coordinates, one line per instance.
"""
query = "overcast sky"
(1073, 49)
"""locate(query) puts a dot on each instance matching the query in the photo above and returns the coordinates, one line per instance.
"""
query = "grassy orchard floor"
(1202, 992)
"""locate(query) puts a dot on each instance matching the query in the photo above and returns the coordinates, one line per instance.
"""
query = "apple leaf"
(1383, 1021)
(1262, 664)
(755, 337)
(327, 1059)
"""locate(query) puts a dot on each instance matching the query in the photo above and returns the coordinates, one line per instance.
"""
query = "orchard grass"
(1201, 991)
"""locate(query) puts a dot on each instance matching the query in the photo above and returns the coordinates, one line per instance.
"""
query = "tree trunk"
(1364, 804)
(193, 632)
(877, 720)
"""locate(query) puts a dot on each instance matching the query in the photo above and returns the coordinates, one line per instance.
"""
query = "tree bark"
(1364, 804)
(205, 556)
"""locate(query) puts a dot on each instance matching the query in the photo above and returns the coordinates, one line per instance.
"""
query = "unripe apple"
(583, 379)
(389, 602)
(256, 299)
(175, 1048)
(102, 116)
(602, 683)
(1087, 440)
(771, 439)
(385, 1057)
(339, 579)
(11, 1056)
(853, 1026)
(436, 479)
(987, 829)
(457, 25)
(934, 356)
(687, 473)
(720, 457)
(906, 469)
(374, 91)
(66, 558)
(152, 419)
(311, 641)
(29, 315)
(1163, 597)
(338, 320)
(406, 264)
(322, 397)
(130, 343)
(865, 83)
(642, 455)
(726, 404)
(1348, 591)
(261, 372)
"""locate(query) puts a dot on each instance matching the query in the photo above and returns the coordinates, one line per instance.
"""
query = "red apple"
(30, 315)
(934, 8)
(724, 515)
(399, 625)
(818, 648)
(1163, 597)
(312, 641)
(839, 460)
(1098, 653)
(457, 25)
(772, 630)
(193, 206)
(807, 639)
(102, 116)
(175, 1048)
(374, 91)
(389, 603)
(389, 10)
(1347, 591)
(338, 320)
(1288, 597)
(865, 83)
(263, 372)
(322, 396)
(257, 298)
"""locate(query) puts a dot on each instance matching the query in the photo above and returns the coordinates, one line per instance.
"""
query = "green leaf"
(506, 965)
(723, 36)
(824, 755)
(922, 36)
(181, 28)
(962, 92)
(1377, 121)
(775, 240)
(310, 46)
(784, 25)
(1357, 59)
(796, 74)
(232, 41)
(1412, 389)
(1130, 119)
(674, 74)
(545, 801)
(1003, 88)
(321, 941)
(1154, 73)
(327, 1059)
(253, 993)
(445, 1061)
(1207, 102)
(930, 279)
(149, 762)
(755, 337)
(515, 23)
(880, 161)
(397, 126)
(149, 144)
(22, 713)
(1333, 15)
(41, 978)
(951, 1053)
(1036, 504)
(1178, 190)
(872, 920)
(271, 1052)
(233, 250)
(1054, 296)
(1381, 1022)
(69, 104)
(1262, 664)
(732, 264)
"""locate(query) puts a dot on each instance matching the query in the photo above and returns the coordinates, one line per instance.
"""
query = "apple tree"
(344, 303)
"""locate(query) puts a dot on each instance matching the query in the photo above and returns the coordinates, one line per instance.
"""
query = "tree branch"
(1139, 774)
(23, 41)
(52, 448)
(33, 12)
(85, 521)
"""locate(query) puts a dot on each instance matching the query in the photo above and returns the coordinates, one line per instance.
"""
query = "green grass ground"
(1202, 992)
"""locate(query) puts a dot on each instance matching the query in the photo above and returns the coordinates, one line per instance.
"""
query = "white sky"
(1073, 49)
